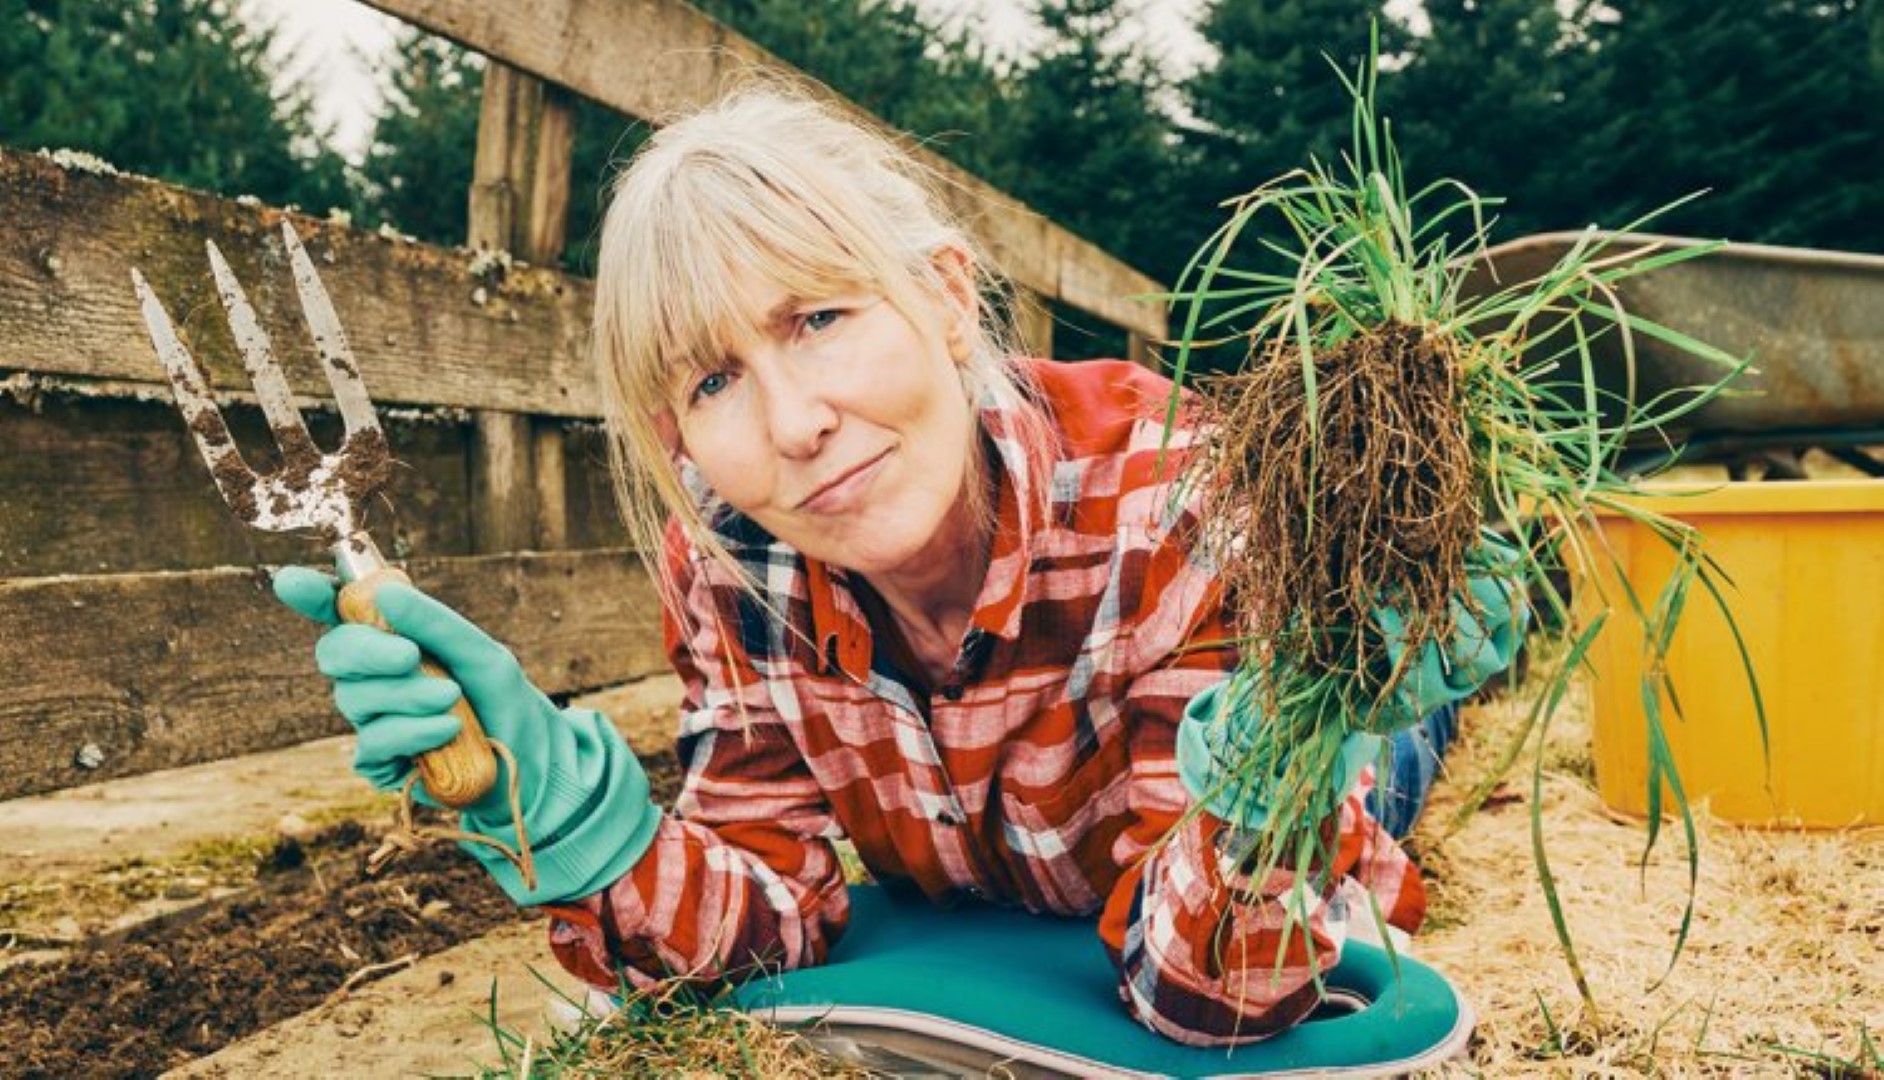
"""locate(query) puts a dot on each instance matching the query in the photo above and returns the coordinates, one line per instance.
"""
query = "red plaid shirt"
(1041, 773)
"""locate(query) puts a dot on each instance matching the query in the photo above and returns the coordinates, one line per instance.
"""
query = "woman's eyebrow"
(782, 313)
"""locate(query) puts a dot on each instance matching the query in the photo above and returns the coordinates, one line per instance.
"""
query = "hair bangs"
(720, 226)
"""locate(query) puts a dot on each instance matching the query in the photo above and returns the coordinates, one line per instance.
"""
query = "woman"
(923, 595)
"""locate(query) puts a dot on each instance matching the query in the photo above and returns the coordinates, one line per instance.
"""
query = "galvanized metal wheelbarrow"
(1813, 322)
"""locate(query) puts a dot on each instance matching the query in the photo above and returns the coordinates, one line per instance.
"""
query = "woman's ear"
(961, 302)
(668, 430)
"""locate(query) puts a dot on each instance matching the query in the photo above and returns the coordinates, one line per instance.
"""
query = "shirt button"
(952, 691)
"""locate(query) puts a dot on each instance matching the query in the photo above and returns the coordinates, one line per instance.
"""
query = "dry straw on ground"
(1782, 973)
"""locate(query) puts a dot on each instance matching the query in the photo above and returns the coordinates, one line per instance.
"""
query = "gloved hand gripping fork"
(312, 490)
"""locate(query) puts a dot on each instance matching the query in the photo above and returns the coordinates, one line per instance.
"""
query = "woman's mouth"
(843, 491)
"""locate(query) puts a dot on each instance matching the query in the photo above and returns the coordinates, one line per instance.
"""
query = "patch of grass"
(1865, 1063)
(855, 872)
(371, 805)
(200, 868)
(120, 886)
(673, 1029)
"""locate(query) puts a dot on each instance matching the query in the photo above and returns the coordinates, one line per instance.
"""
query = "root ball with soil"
(1347, 491)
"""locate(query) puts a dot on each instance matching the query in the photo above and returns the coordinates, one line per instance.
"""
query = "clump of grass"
(674, 1028)
(1866, 1063)
(1381, 422)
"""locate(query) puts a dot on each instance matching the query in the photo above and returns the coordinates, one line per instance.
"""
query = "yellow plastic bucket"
(1806, 565)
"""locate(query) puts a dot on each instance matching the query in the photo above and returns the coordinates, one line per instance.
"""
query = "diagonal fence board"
(137, 672)
(654, 59)
(426, 331)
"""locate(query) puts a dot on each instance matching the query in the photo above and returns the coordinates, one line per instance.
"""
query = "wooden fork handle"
(460, 772)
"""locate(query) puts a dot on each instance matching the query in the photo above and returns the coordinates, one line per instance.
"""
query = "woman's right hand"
(583, 794)
(398, 711)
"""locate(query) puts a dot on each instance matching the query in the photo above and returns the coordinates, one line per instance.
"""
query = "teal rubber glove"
(1220, 722)
(1213, 738)
(1487, 631)
(584, 796)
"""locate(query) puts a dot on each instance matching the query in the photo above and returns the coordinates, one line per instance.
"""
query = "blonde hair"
(766, 180)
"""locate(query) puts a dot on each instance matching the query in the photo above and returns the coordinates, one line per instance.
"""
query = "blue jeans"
(1413, 762)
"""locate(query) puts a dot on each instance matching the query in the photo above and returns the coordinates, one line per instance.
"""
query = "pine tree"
(418, 163)
(1770, 106)
(178, 89)
(1090, 135)
(1501, 95)
(1090, 148)
(940, 85)
(1273, 95)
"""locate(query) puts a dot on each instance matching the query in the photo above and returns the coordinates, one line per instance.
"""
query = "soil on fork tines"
(171, 991)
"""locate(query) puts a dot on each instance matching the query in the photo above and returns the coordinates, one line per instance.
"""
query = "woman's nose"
(798, 412)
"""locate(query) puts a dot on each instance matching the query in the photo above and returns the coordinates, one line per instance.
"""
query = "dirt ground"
(206, 922)
(438, 1017)
(176, 989)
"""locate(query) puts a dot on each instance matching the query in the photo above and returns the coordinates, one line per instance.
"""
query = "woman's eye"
(821, 319)
(710, 385)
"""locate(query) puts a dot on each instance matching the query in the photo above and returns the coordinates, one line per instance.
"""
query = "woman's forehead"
(760, 301)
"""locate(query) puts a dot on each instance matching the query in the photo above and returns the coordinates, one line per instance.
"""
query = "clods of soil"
(174, 990)
(139, 1003)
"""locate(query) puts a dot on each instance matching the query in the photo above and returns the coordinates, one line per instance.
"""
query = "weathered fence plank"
(111, 675)
(427, 331)
(1033, 320)
(656, 58)
(520, 174)
(90, 485)
(503, 496)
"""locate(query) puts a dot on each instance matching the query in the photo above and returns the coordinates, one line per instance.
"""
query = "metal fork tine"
(258, 356)
(194, 399)
(343, 374)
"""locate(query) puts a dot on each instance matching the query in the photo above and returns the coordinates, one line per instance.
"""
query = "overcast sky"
(335, 41)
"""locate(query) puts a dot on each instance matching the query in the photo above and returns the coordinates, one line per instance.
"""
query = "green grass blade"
(1546, 880)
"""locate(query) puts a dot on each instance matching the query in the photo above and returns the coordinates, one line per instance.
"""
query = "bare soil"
(313, 928)
(176, 989)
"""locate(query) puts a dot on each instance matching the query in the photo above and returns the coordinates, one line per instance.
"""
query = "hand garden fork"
(311, 490)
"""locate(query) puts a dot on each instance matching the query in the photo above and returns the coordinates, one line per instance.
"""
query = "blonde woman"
(923, 594)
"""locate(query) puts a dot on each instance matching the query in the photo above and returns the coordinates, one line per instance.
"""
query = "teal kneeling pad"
(979, 985)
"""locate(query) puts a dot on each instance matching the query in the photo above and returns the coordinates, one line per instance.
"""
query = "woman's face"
(838, 424)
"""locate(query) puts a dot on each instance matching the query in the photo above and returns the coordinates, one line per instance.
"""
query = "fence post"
(519, 204)
(1033, 319)
(1138, 351)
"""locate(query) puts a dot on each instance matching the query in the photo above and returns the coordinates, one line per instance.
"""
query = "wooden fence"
(135, 628)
